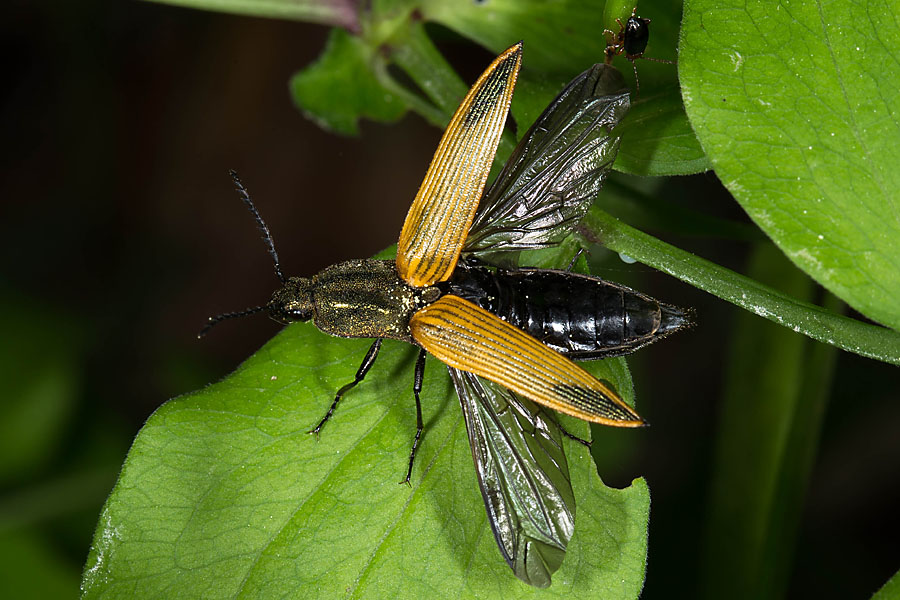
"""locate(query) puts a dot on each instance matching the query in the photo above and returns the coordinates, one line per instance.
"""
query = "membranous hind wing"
(440, 216)
(557, 168)
(523, 476)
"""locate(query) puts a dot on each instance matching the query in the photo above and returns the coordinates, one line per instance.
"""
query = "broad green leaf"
(225, 495)
(796, 106)
(340, 87)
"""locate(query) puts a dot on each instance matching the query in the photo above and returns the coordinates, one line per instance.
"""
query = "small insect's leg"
(610, 54)
(367, 363)
(659, 60)
(417, 389)
(572, 436)
(575, 259)
(637, 82)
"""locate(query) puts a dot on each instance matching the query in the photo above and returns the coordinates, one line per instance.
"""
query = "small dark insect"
(631, 40)
(508, 335)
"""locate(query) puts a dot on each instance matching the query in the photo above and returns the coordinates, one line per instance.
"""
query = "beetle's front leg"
(367, 363)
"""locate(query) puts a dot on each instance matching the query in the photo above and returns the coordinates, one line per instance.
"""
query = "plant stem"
(867, 340)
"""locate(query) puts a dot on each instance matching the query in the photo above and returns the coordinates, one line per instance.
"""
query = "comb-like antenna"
(267, 237)
(231, 315)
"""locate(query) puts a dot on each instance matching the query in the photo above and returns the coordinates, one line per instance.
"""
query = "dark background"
(120, 234)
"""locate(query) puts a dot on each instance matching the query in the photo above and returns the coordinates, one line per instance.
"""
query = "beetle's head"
(293, 302)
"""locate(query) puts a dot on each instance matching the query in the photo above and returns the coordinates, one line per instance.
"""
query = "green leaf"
(657, 138)
(643, 203)
(560, 37)
(340, 87)
(341, 13)
(224, 494)
(890, 590)
(796, 107)
(563, 39)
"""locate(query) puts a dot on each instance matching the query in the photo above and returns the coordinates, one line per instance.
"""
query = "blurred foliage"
(48, 490)
(773, 403)
(777, 99)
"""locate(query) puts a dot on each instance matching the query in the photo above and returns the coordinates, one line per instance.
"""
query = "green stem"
(414, 52)
(814, 321)
(425, 109)
(417, 55)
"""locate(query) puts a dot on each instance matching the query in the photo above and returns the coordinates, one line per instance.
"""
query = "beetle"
(507, 335)
(631, 39)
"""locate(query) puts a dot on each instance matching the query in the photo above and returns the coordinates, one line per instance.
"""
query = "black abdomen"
(580, 316)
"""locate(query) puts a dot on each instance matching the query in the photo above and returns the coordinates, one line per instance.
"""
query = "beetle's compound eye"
(293, 302)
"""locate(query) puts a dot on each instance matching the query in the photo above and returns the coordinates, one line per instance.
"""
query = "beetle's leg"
(360, 374)
(575, 259)
(474, 261)
(559, 425)
(572, 436)
(417, 388)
